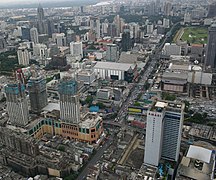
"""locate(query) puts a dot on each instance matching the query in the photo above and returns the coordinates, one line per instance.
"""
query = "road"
(135, 90)
(95, 158)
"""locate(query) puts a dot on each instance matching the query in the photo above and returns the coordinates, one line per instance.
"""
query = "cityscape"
(108, 90)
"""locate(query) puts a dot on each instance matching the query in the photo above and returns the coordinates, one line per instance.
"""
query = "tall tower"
(37, 93)
(40, 13)
(76, 49)
(163, 132)
(34, 35)
(112, 53)
(17, 105)
(95, 26)
(210, 61)
(69, 101)
(23, 56)
(42, 24)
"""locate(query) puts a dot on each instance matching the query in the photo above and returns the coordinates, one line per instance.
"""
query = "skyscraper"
(41, 22)
(211, 10)
(163, 132)
(17, 105)
(210, 61)
(40, 13)
(23, 56)
(112, 53)
(25, 33)
(95, 26)
(34, 35)
(126, 41)
(69, 101)
(76, 49)
(37, 93)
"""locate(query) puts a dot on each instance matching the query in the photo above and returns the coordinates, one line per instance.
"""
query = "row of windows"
(69, 132)
(70, 127)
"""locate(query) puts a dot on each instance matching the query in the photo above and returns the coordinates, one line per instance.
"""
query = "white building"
(187, 18)
(112, 53)
(40, 51)
(112, 70)
(171, 49)
(150, 28)
(163, 132)
(76, 49)
(59, 39)
(23, 56)
(87, 76)
(34, 35)
(166, 23)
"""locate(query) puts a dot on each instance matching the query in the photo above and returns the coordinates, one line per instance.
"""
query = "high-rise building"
(17, 105)
(167, 8)
(211, 10)
(25, 33)
(23, 56)
(149, 28)
(40, 51)
(37, 93)
(76, 49)
(42, 24)
(210, 61)
(95, 26)
(40, 13)
(71, 36)
(126, 41)
(2, 43)
(163, 132)
(59, 39)
(69, 101)
(34, 35)
(112, 53)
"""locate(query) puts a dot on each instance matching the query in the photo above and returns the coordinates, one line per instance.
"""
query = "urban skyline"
(108, 90)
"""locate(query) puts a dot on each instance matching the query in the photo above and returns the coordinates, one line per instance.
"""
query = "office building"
(95, 26)
(149, 28)
(112, 53)
(116, 71)
(163, 132)
(76, 49)
(171, 49)
(23, 56)
(211, 10)
(37, 93)
(71, 36)
(3, 44)
(25, 33)
(69, 101)
(166, 23)
(40, 51)
(59, 39)
(126, 41)
(210, 61)
(17, 105)
(40, 19)
(167, 8)
(34, 35)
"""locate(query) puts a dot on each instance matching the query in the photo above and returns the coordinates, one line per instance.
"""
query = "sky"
(45, 3)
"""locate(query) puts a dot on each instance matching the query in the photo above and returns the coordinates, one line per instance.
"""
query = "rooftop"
(198, 164)
(113, 66)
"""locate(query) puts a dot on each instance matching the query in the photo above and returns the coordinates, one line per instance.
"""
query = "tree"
(61, 148)
(89, 99)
